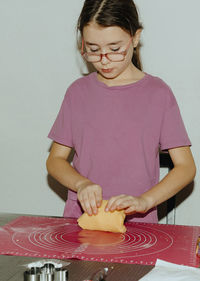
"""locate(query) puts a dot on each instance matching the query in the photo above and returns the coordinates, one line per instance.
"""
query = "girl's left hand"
(129, 204)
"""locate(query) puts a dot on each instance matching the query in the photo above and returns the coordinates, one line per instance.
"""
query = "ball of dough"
(105, 221)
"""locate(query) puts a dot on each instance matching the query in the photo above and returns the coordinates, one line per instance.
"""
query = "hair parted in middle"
(122, 13)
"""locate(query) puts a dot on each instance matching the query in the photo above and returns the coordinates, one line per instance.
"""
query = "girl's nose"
(104, 59)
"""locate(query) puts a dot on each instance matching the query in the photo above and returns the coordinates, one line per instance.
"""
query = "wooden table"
(11, 267)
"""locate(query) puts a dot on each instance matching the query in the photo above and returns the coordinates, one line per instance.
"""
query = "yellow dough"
(105, 221)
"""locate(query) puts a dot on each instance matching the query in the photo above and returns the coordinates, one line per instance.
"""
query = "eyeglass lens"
(111, 56)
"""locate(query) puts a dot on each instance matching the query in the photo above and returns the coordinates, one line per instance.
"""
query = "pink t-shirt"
(117, 133)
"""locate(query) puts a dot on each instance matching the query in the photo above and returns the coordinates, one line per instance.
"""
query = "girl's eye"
(115, 49)
(94, 50)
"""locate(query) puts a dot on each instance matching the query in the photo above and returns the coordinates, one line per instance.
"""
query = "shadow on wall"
(174, 202)
(57, 187)
(184, 193)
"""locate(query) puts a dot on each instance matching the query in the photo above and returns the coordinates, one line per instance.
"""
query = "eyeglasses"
(112, 56)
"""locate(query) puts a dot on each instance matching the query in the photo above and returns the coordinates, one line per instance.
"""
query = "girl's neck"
(131, 75)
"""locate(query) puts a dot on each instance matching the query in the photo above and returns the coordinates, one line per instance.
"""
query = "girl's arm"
(182, 174)
(89, 194)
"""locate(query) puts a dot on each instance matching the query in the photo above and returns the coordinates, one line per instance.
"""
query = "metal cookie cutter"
(48, 272)
(60, 274)
(33, 274)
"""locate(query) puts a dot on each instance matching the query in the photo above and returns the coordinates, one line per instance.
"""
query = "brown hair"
(122, 13)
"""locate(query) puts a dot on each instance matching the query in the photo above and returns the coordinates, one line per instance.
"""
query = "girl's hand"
(90, 197)
(129, 204)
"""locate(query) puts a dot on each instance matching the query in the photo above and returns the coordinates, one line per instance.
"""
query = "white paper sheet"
(166, 271)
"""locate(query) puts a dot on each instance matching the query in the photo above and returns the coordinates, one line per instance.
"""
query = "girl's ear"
(136, 37)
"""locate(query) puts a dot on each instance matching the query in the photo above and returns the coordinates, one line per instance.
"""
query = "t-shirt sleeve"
(61, 130)
(173, 132)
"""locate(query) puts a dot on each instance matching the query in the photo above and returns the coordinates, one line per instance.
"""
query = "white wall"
(38, 60)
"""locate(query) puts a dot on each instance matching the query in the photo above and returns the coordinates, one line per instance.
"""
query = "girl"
(116, 119)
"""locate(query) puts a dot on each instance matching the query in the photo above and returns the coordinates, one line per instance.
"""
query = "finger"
(85, 202)
(111, 205)
(124, 203)
(87, 197)
(93, 203)
(83, 205)
(88, 208)
(95, 198)
(130, 211)
(98, 197)
(121, 202)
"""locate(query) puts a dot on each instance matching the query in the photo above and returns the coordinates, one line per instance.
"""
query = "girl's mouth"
(107, 70)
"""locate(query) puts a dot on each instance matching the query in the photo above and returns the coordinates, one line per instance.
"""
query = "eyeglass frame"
(124, 53)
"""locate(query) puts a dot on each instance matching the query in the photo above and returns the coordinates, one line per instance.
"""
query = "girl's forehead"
(95, 33)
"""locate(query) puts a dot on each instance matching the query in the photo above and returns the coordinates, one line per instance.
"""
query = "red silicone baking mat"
(62, 238)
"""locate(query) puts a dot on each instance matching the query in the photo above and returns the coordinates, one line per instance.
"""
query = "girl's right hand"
(90, 197)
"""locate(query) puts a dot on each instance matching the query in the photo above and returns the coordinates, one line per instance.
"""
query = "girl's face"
(102, 40)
